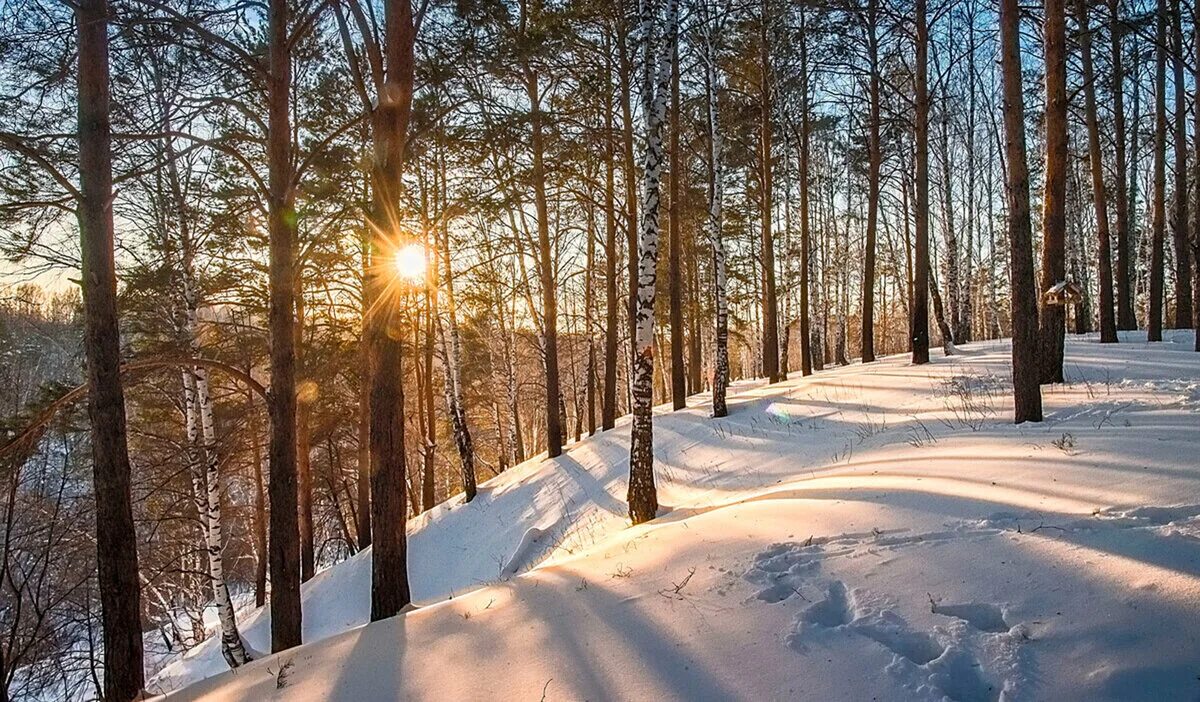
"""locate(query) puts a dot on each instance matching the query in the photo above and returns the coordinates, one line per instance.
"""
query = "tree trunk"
(642, 496)
(285, 532)
(920, 309)
(1179, 226)
(675, 260)
(1027, 393)
(304, 398)
(260, 518)
(715, 195)
(625, 79)
(116, 538)
(363, 483)
(806, 358)
(1108, 323)
(873, 167)
(608, 411)
(452, 347)
(1196, 177)
(201, 437)
(389, 565)
(770, 340)
(1124, 273)
(428, 423)
(1053, 317)
(1155, 311)
(589, 322)
(198, 407)
(950, 227)
(554, 428)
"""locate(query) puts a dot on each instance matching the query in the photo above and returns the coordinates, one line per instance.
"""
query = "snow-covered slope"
(871, 532)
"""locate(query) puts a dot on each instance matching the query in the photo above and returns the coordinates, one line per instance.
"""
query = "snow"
(870, 532)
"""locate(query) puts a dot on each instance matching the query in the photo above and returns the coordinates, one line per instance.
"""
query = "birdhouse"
(1062, 294)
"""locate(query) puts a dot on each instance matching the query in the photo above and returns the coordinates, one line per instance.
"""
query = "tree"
(1179, 223)
(870, 23)
(608, 412)
(1027, 393)
(1108, 323)
(1195, 236)
(770, 301)
(713, 225)
(530, 11)
(284, 541)
(674, 255)
(1124, 270)
(656, 74)
(920, 308)
(116, 539)
(802, 140)
(1054, 223)
(389, 125)
(1158, 218)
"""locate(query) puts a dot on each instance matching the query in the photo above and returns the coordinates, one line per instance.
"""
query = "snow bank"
(871, 532)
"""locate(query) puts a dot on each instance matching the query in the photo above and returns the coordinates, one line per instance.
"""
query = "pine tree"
(920, 308)
(1108, 323)
(714, 225)
(1054, 225)
(1027, 393)
(116, 539)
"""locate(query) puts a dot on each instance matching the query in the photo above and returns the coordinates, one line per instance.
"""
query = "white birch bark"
(642, 496)
(452, 356)
(203, 444)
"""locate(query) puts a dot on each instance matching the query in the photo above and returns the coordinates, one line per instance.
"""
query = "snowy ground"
(871, 532)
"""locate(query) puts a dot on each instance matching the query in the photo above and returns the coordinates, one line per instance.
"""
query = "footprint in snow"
(981, 615)
(919, 661)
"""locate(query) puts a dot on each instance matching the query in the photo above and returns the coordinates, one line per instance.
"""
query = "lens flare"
(410, 262)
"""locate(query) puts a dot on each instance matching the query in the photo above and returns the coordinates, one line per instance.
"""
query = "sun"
(410, 262)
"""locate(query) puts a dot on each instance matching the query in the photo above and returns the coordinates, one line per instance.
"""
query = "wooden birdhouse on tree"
(1064, 293)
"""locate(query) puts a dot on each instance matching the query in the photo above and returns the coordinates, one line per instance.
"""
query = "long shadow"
(645, 647)
(591, 486)
(1135, 542)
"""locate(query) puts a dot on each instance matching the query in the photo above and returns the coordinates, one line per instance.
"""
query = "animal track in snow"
(919, 661)
(981, 615)
(942, 664)
(840, 609)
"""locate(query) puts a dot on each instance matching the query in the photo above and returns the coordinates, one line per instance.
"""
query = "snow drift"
(870, 532)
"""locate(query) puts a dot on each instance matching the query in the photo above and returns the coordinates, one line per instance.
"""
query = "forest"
(283, 278)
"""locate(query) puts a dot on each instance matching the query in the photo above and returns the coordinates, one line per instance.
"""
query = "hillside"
(870, 532)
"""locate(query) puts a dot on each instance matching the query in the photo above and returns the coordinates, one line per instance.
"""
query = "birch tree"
(656, 76)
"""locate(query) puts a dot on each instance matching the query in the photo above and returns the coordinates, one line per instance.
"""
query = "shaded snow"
(870, 532)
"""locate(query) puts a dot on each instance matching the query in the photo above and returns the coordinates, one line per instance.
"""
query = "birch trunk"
(198, 408)
(452, 352)
(643, 498)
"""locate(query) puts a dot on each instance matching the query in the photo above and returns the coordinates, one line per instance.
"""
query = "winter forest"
(379, 326)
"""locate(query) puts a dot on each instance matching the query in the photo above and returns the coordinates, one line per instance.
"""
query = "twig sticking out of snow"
(677, 592)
